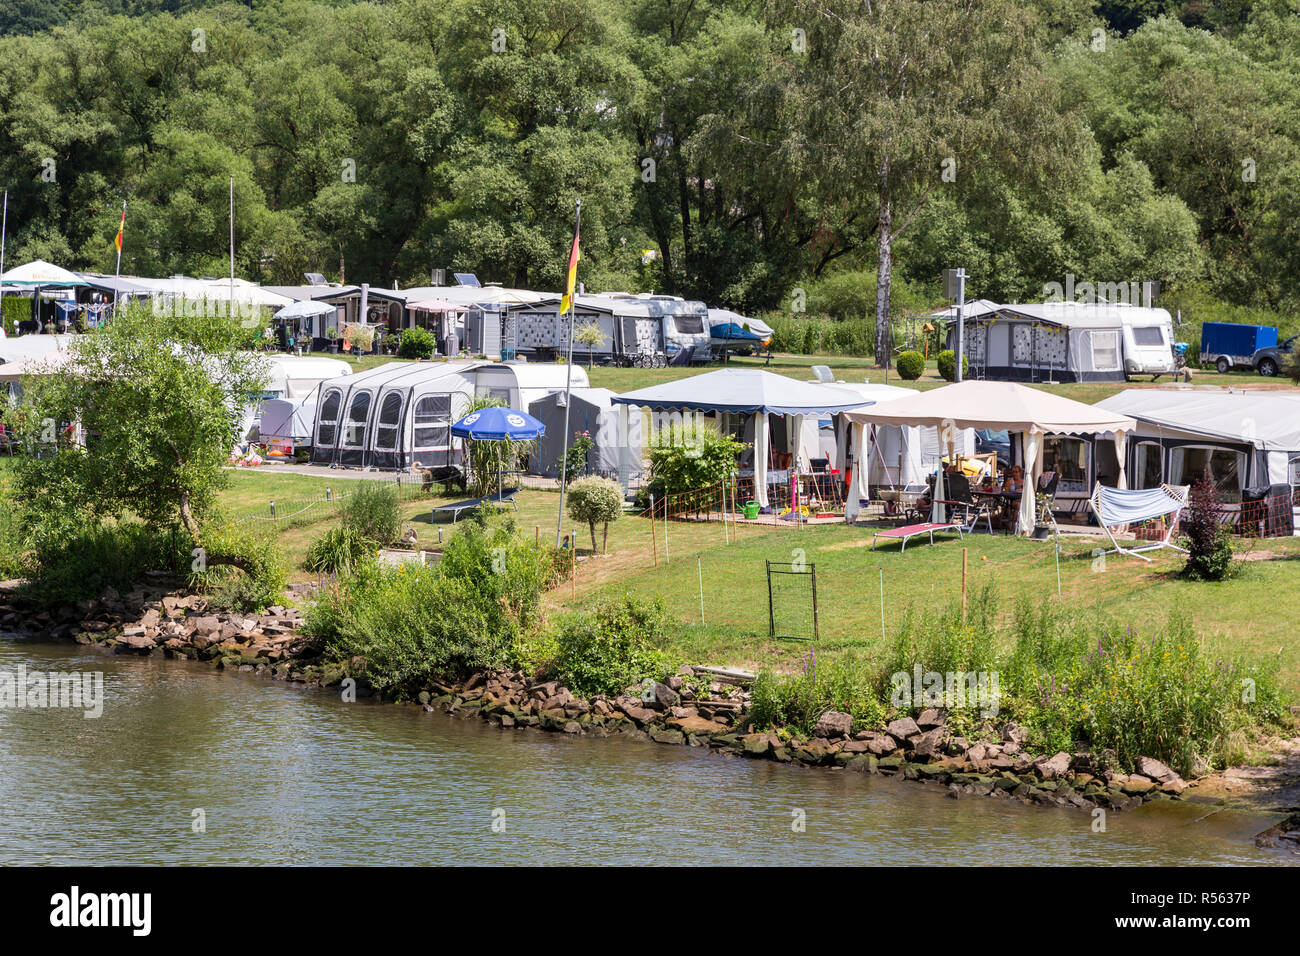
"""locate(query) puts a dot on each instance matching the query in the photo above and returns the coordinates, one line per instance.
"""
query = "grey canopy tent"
(591, 410)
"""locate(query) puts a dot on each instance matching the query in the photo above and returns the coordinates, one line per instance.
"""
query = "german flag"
(566, 302)
(117, 241)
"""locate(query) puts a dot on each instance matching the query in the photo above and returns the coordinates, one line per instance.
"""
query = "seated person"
(1016, 480)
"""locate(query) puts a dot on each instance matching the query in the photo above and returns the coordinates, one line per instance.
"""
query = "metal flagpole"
(4, 228)
(232, 246)
(117, 274)
(568, 399)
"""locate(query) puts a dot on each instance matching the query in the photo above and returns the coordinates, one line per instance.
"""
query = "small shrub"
(910, 365)
(573, 463)
(1209, 542)
(337, 551)
(796, 701)
(595, 501)
(373, 513)
(947, 361)
(612, 648)
(254, 579)
(417, 343)
(690, 456)
(65, 566)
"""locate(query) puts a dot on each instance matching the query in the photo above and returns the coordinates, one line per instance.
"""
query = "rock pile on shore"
(679, 711)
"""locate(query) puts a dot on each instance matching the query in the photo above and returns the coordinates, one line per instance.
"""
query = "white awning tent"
(1032, 412)
(898, 456)
(753, 393)
(1261, 427)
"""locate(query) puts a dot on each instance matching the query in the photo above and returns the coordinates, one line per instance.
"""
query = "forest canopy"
(754, 146)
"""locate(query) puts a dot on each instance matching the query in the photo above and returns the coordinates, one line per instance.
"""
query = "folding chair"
(1120, 506)
(961, 499)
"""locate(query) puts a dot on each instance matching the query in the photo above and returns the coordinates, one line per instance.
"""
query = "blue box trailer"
(1227, 345)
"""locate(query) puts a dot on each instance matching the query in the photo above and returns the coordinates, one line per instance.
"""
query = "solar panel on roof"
(467, 278)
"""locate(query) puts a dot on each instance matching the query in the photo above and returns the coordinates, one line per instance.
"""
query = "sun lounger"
(912, 530)
(469, 504)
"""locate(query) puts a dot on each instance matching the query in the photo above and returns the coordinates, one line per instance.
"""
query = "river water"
(290, 775)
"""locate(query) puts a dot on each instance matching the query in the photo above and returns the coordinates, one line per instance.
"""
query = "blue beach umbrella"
(497, 424)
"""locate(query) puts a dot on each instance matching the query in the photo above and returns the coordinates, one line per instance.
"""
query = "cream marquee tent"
(1004, 405)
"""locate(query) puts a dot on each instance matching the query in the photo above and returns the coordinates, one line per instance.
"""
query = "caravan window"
(1187, 464)
(432, 422)
(1148, 335)
(329, 418)
(354, 429)
(688, 324)
(1069, 458)
(1148, 467)
(390, 416)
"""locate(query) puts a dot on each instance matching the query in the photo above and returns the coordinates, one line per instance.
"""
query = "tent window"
(390, 415)
(1105, 351)
(1293, 470)
(354, 429)
(329, 418)
(1069, 458)
(1149, 335)
(688, 324)
(432, 423)
(1187, 464)
(1149, 471)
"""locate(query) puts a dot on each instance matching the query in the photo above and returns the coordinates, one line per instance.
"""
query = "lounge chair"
(469, 504)
(912, 530)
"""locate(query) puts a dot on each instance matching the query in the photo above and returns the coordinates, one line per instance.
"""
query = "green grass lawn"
(1237, 616)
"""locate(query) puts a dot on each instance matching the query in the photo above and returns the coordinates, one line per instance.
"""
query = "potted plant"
(332, 334)
(357, 338)
(1042, 517)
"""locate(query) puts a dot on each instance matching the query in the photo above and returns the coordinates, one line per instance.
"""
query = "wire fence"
(278, 510)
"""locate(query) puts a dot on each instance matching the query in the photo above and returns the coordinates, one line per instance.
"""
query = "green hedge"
(910, 365)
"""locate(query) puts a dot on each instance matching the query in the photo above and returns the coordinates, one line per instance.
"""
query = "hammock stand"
(1117, 506)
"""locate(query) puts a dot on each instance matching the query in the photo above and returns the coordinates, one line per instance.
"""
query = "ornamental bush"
(948, 365)
(910, 365)
(593, 500)
(417, 343)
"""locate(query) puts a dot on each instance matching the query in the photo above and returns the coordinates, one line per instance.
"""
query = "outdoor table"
(1004, 504)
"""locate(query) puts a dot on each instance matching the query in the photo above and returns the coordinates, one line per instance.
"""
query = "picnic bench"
(501, 499)
(912, 530)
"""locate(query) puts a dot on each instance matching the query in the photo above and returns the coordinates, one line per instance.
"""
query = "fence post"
(272, 507)
(654, 535)
(882, 604)
(963, 585)
(699, 567)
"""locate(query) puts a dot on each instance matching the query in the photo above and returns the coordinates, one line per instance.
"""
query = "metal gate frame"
(774, 567)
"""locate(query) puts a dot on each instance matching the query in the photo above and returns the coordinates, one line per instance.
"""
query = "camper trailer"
(519, 384)
(638, 329)
(1063, 341)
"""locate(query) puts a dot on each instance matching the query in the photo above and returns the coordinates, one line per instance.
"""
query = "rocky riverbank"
(685, 710)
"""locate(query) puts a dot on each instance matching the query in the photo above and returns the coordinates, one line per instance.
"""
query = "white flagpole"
(232, 246)
(568, 399)
(117, 277)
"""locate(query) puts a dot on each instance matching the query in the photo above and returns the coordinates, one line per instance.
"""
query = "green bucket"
(751, 509)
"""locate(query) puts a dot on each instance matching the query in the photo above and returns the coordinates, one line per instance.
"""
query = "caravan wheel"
(1223, 365)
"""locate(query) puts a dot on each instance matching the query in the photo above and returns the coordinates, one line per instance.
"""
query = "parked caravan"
(1063, 341)
(592, 411)
(392, 416)
(637, 329)
(519, 384)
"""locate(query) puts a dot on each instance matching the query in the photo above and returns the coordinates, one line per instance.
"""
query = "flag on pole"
(117, 242)
(566, 302)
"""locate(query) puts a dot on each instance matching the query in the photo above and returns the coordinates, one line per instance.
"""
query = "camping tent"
(1246, 439)
(1003, 405)
(393, 415)
(755, 395)
(591, 410)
